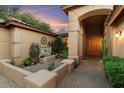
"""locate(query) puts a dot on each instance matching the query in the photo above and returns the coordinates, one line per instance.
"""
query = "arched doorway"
(93, 31)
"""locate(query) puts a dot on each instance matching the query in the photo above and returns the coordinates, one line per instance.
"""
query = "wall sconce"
(118, 34)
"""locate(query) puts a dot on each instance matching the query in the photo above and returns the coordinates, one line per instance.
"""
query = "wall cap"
(40, 78)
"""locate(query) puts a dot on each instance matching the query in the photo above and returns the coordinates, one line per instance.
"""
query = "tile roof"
(113, 12)
(19, 23)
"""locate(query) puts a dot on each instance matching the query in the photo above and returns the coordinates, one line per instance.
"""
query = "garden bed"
(114, 69)
(41, 66)
(25, 78)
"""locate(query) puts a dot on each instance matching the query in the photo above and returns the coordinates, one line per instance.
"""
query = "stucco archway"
(92, 29)
(75, 40)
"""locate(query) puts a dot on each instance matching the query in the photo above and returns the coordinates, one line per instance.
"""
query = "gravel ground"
(89, 74)
(40, 66)
(5, 83)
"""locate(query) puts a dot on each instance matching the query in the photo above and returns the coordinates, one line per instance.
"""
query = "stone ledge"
(41, 79)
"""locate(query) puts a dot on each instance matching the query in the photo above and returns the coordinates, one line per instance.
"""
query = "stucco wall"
(4, 43)
(118, 44)
(23, 40)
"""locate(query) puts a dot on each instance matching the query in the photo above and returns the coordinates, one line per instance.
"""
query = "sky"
(51, 14)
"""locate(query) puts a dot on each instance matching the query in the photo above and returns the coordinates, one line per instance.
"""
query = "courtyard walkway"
(89, 74)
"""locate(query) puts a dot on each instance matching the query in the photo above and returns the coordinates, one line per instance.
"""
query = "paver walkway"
(89, 74)
(5, 83)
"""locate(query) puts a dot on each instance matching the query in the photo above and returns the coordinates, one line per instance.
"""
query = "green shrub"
(114, 69)
(27, 62)
(104, 48)
(30, 19)
(115, 59)
(106, 58)
(57, 45)
(34, 52)
(112, 58)
(64, 53)
(51, 67)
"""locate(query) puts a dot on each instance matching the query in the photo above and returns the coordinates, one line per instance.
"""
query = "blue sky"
(51, 14)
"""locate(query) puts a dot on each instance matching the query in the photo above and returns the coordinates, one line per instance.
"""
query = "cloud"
(55, 23)
(52, 15)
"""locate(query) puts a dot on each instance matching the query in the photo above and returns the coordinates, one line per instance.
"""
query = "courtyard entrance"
(86, 29)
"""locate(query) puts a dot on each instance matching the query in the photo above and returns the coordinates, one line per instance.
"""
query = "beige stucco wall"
(4, 43)
(15, 43)
(118, 44)
(76, 36)
(23, 39)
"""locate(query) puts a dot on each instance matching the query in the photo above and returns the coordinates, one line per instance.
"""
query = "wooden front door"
(93, 45)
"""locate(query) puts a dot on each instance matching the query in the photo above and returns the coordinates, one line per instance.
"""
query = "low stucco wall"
(3, 61)
(14, 73)
(50, 79)
(61, 71)
(4, 43)
(70, 63)
(67, 67)
(0, 68)
(40, 79)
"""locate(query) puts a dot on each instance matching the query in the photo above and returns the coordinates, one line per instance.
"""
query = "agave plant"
(34, 52)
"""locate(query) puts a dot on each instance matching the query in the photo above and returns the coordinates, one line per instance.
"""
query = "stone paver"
(89, 74)
(5, 83)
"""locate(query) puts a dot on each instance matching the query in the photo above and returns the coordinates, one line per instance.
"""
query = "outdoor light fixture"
(118, 34)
